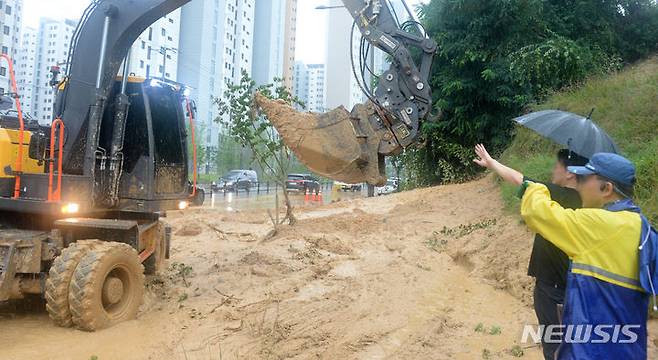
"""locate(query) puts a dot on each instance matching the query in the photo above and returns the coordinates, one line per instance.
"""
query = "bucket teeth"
(330, 144)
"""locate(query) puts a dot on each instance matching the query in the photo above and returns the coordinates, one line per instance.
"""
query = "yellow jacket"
(603, 286)
(594, 239)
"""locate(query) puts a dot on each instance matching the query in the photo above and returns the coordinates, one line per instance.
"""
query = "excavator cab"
(154, 156)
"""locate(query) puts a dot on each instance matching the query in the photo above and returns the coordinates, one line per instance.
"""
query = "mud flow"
(437, 273)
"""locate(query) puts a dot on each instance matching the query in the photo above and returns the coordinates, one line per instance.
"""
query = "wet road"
(243, 200)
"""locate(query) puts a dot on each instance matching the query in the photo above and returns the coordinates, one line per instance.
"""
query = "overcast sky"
(311, 26)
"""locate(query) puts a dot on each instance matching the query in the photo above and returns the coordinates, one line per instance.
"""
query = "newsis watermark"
(581, 334)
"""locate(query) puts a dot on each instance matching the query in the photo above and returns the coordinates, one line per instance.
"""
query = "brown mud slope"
(429, 274)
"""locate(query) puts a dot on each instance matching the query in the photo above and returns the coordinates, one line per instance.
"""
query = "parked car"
(348, 187)
(302, 183)
(236, 180)
(390, 187)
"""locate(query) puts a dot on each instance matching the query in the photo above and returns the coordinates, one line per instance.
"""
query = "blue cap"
(610, 166)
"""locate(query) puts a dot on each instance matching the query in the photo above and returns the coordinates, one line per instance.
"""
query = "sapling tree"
(250, 128)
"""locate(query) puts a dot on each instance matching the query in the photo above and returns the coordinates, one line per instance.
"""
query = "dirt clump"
(332, 244)
(256, 258)
(190, 229)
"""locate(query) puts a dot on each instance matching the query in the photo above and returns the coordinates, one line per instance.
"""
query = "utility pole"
(163, 51)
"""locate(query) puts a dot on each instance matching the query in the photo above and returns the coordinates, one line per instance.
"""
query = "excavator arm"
(351, 146)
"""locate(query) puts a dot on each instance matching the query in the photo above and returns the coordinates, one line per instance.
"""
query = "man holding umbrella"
(548, 264)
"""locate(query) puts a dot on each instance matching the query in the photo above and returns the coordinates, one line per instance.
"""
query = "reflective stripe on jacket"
(603, 289)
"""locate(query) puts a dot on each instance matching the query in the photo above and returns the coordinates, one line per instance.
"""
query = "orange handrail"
(57, 195)
(21, 132)
(194, 170)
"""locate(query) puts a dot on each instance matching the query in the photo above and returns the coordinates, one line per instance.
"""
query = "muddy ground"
(435, 273)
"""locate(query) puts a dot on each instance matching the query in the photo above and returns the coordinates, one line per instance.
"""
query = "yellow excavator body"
(9, 145)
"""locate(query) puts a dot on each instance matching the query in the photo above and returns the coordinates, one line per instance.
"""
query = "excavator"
(351, 146)
(81, 200)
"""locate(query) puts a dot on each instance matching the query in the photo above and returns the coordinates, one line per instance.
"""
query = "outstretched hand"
(484, 159)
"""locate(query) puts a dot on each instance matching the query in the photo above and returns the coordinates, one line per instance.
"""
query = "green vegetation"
(495, 330)
(479, 328)
(625, 106)
(516, 351)
(463, 230)
(253, 131)
(181, 271)
(497, 57)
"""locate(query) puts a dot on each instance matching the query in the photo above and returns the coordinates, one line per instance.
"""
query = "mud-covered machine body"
(81, 200)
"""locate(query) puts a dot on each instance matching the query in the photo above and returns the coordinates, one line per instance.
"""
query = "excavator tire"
(107, 287)
(59, 279)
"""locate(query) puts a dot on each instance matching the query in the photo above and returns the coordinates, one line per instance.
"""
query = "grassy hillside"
(626, 107)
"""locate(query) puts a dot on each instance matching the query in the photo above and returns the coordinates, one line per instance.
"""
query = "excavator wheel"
(107, 287)
(59, 279)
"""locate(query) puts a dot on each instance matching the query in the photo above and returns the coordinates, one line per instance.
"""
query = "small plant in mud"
(181, 271)
(516, 351)
(435, 243)
(486, 354)
(93, 357)
(463, 230)
(495, 330)
(479, 328)
(240, 115)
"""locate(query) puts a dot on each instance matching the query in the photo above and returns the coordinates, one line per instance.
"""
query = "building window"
(6, 30)
(5, 50)
(164, 32)
(141, 64)
(3, 72)
(8, 10)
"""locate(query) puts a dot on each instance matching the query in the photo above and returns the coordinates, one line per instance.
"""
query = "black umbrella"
(578, 133)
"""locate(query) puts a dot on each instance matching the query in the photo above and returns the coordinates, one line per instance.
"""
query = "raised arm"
(507, 173)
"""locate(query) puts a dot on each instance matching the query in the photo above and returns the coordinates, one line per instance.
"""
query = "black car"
(302, 183)
(236, 180)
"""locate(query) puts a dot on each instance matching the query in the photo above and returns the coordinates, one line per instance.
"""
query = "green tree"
(249, 128)
(498, 56)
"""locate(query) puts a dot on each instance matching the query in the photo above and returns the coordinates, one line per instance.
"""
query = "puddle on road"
(242, 200)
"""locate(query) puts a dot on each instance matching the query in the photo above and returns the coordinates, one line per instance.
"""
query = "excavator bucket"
(337, 144)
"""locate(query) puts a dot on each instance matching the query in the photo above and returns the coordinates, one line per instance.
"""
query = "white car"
(390, 187)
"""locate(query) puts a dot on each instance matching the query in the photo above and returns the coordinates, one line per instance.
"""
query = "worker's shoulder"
(610, 219)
